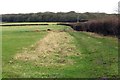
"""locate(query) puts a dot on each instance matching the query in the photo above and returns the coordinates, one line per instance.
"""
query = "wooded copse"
(53, 17)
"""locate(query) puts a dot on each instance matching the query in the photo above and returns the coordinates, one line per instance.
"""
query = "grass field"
(33, 52)
(0, 52)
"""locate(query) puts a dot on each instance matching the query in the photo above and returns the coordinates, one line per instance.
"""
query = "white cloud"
(27, 6)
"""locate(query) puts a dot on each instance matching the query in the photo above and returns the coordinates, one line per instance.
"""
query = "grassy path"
(100, 54)
(58, 54)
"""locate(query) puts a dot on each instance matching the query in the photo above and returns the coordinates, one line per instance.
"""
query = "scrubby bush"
(107, 26)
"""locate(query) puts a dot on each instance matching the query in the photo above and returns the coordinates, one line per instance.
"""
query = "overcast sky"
(33, 6)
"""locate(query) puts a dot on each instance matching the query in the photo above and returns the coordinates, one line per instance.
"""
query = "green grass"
(13, 41)
(98, 55)
(0, 52)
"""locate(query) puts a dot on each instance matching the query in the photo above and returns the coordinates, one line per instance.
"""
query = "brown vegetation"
(54, 48)
(107, 26)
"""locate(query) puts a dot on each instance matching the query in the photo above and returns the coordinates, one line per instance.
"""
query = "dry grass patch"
(55, 49)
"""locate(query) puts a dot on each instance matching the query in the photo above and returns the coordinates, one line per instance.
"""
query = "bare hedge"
(108, 26)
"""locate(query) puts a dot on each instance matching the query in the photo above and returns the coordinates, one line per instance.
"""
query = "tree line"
(53, 17)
